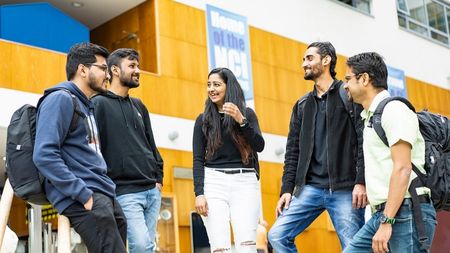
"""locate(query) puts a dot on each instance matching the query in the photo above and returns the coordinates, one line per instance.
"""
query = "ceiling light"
(77, 4)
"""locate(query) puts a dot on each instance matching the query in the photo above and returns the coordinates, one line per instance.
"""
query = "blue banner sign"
(229, 46)
(396, 82)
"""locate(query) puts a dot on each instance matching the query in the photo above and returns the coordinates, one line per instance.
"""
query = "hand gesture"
(232, 110)
(283, 203)
(88, 205)
(381, 238)
(359, 196)
(201, 205)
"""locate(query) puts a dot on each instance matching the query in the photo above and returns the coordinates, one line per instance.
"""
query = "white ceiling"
(93, 12)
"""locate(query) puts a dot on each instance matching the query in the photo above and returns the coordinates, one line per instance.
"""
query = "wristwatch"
(384, 219)
(244, 122)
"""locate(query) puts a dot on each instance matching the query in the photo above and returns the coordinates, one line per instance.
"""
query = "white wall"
(350, 31)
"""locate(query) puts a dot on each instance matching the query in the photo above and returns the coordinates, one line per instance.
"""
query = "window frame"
(353, 6)
(429, 29)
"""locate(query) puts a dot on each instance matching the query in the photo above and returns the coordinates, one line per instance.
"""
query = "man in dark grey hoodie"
(69, 157)
(128, 146)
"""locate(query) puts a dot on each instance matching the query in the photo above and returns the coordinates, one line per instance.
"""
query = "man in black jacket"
(324, 166)
(129, 149)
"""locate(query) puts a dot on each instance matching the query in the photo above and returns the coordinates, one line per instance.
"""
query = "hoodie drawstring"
(123, 113)
(133, 116)
(132, 112)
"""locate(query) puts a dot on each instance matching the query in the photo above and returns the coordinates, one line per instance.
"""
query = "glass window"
(439, 37)
(402, 21)
(436, 16)
(417, 11)
(362, 5)
(429, 18)
(401, 5)
(418, 28)
(448, 18)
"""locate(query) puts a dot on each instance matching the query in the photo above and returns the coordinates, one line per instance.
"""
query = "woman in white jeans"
(226, 171)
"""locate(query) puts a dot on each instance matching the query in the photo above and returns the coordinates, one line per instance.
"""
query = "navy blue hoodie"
(70, 160)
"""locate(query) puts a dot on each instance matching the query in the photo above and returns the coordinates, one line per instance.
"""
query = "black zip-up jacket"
(345, 161)
(127, 143)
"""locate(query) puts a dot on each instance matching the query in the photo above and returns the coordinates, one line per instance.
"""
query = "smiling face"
(129, 73)
(312, 64)
(354, 86)
(216, 90)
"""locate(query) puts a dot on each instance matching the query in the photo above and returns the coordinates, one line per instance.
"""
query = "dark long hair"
(211, 118)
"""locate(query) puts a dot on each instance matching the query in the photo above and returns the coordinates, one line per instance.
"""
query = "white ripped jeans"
(234, 198)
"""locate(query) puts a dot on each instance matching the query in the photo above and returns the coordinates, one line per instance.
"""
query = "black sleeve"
(151, 140)
(359, 128)
(252, 133)
(292, 153)
(198, 150)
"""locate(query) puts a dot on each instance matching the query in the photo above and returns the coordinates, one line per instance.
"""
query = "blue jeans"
(305, 208)
(404, 234)
(141, 210)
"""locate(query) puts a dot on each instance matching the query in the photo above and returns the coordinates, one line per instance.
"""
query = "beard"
(314, 73)
(95, 86)
(129, 82)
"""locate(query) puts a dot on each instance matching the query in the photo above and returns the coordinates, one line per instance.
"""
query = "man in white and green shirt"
(388, 171)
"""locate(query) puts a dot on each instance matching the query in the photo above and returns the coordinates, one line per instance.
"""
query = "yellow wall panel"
(269, 204)
(30, 69)
(185, 239)
(169, 56)
(426, 96)
(291, 85)
(270, 179)
(264, 84)
(5, 64)
(117, 33)
(183, 60)
(260, 46)
(266, 110)
(184, 190)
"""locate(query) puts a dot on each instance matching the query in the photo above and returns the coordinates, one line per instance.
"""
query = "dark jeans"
(104, 228)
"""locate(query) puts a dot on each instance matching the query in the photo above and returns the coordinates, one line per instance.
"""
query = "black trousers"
(104, 228)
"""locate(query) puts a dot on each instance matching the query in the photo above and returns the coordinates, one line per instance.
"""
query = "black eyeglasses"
(100, 66)
(357, 76)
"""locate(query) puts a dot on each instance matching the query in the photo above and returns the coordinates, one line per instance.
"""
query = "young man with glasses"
(67, 153)
(323, 168)
(392, 227)
(127, 143)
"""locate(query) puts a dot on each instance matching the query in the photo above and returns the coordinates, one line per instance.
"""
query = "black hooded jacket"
(345, 161)
(127, 143)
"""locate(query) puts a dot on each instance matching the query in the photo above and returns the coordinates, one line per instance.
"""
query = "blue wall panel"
(41, 25)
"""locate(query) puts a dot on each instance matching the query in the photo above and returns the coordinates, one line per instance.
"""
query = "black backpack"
(26, 180)
(435, 130)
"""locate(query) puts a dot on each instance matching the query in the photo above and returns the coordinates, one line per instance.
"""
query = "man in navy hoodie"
(69, 157)
(128, 146)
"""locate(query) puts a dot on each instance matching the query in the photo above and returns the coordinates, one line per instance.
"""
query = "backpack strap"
(417, 212)
(77, 111)
(375, 120)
